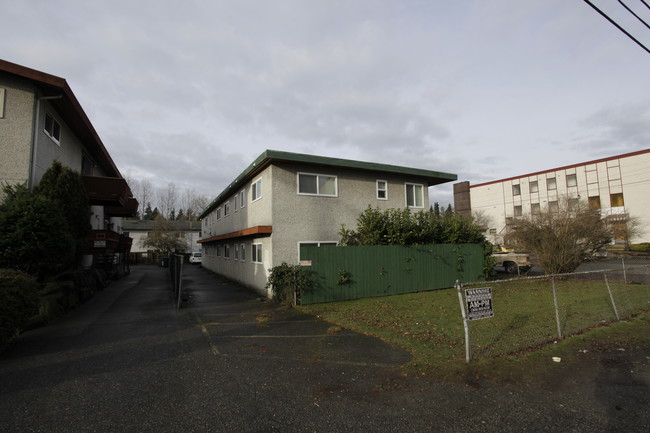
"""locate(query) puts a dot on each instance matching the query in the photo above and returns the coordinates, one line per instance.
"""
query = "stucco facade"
(615, 185)
(281, 211)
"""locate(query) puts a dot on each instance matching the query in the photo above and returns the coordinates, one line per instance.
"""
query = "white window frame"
(257, 256)
(226, 209)
(406, 195)
(318, 193)
(242, 198)
(226, 251)
(236, 257)
(235, 200)
(218, 250)
(384, 190)
(218, 213)
(52, 134)
(242, 256)
(256, 190)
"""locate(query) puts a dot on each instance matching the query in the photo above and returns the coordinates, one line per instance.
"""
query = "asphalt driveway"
(128, 361)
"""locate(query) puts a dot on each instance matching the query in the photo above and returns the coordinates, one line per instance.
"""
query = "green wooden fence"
(342, 273)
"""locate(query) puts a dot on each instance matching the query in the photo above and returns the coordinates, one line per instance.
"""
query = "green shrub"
(286, 281)
(19, 301)
(641, 248)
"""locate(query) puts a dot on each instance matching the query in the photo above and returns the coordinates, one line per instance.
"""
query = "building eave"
(251, 231)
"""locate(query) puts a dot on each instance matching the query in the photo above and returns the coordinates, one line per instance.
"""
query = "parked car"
(510, 261)
(195, 258)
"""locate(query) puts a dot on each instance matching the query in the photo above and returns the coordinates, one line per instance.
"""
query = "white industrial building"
(616, 185)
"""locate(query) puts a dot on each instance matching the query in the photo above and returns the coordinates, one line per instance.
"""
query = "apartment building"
(41, 121)
(284, 200)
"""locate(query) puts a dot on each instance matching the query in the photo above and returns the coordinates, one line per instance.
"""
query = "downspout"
(37, 115)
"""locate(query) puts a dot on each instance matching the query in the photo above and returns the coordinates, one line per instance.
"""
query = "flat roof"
(269, 157)
(565, 167)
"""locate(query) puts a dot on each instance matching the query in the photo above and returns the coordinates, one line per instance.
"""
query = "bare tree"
(167, 199)
(564, 237)
(193, 203)
(164, 238)
(143, 191)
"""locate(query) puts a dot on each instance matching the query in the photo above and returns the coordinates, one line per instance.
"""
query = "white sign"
(479, 303)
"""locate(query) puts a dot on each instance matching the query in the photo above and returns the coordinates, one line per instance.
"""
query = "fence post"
(624, 271)
(468, 350)
(611, 296)
(557, 310)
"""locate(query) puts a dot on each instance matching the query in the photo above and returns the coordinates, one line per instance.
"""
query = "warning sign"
(479, 303)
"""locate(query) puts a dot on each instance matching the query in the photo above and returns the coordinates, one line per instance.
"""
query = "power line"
(632, 12)
(617, 26)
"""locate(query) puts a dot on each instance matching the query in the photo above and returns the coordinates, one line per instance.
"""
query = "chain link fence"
(530, 312)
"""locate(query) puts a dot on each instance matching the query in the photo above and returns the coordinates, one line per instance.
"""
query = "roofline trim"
(566, 167)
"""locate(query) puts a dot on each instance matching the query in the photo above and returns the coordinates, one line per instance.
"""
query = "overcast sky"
(192, 91)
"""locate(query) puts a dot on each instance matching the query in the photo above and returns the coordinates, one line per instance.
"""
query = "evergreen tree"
(148, 213)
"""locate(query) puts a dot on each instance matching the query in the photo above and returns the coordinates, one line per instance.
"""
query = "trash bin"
(165, 262)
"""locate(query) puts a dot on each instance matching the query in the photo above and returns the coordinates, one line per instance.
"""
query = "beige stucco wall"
(254, 213)
(16, 129)
(305, 218)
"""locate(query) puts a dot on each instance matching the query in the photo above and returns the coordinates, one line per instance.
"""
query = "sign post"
(477, 304)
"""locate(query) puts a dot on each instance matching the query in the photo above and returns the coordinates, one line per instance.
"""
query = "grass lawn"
(519, 340)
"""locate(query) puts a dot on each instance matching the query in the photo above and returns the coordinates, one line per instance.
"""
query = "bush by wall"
(19, 301)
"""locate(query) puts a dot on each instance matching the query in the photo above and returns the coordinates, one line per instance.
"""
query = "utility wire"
(632, 12)
(617, 26)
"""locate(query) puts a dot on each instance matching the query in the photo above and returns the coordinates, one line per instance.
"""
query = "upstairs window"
(235, 199)
(242, 198)
(256, 190)
(516, 189)
(617, 199)
(551, 184)
(535, 209)
(52, 128)
(414, 195)
(218, 214)
(571, 180)
(226, 209)
(317, 184)
(594, 202)
(382, 190)
(534, 186)
(86, 165)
